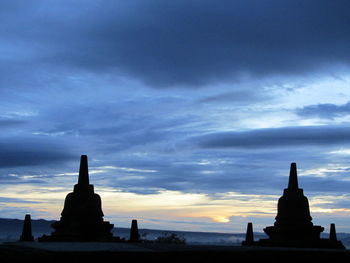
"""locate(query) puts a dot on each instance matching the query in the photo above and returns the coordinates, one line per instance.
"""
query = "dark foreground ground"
(104, 252)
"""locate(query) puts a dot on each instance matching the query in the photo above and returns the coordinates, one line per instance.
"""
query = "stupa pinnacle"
(293, 226)
(83, 171)
(293, 178)
(82, 216)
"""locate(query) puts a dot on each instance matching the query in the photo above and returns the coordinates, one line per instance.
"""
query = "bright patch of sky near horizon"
(190, 119)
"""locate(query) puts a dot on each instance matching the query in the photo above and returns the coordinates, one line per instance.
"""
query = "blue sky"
(190, 111)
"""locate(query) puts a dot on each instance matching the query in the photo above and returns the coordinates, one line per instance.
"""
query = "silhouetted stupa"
(249, 236)
(293, 226)
(82, 216)
(27, 229)
(134, 232)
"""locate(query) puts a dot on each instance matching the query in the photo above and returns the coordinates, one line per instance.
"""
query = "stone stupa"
(27, 229)
(134, 232)
(82, 216)
(293, 226)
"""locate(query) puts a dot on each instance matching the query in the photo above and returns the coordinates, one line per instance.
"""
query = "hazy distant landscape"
(10, 230)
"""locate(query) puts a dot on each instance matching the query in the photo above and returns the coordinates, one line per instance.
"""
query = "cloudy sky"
(190, 111)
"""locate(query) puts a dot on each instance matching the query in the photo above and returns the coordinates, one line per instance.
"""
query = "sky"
(190, 111)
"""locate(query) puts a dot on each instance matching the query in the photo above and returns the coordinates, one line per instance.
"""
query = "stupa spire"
(293, 177)
(83, 171)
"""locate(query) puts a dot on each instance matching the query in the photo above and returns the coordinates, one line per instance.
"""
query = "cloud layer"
(279, 137)
(190, 43)
(187, 97)
(325, 111)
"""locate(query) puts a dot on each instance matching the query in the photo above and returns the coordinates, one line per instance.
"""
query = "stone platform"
(121, 252)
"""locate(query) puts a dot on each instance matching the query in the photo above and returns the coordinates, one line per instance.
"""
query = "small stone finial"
(332, 233)
(134, 232)
(249, 237)
(83, 171)
(293, 177)
(27, 229)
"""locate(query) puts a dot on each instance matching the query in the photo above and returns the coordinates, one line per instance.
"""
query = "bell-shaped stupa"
(293, 220)
(82, 216)
(293, 226)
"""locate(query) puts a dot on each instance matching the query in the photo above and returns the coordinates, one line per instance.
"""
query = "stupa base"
(321, 243)
(78, 238)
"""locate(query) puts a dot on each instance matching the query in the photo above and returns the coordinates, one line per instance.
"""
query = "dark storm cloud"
(324, 111)
(278, 137)
(183, 42)
(29, 151)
